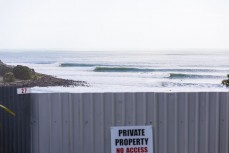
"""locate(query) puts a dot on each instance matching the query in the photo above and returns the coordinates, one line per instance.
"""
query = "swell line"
(193, 76)
(129, 69)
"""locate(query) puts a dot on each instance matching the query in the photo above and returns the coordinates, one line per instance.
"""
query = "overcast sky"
(114, 25)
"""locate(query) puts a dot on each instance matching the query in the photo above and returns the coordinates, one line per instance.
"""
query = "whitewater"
(127, 71)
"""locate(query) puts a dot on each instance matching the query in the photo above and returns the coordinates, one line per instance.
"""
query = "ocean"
(128, 71)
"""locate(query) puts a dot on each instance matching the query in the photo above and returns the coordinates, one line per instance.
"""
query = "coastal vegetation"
(4, 69)
(23, 72)
(8, 77)
(226, 82)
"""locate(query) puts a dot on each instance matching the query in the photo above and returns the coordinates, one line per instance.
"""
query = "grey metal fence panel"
(15, 131)
(80, 122)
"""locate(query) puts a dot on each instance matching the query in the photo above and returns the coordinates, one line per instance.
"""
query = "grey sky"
(114, 25)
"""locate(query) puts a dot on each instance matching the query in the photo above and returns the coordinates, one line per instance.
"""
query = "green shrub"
(8, 77)
(35, 77)
(23, 72)
(4, 69)
(226, 82)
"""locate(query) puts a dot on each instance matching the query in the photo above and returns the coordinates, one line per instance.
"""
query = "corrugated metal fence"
(15, 132)
(80, 123)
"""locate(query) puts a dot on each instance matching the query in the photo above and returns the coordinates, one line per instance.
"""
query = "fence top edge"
(65, 93)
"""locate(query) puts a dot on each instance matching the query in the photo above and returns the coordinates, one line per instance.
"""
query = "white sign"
(23, 90)
(132, 139)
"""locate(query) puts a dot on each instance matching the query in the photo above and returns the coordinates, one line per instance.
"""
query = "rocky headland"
(22, 76)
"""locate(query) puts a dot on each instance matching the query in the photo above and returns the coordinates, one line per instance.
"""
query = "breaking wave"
(193, 76)
(45, 62)
(76, 65)
(120, 69)
(129, 69)
(203, 85)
